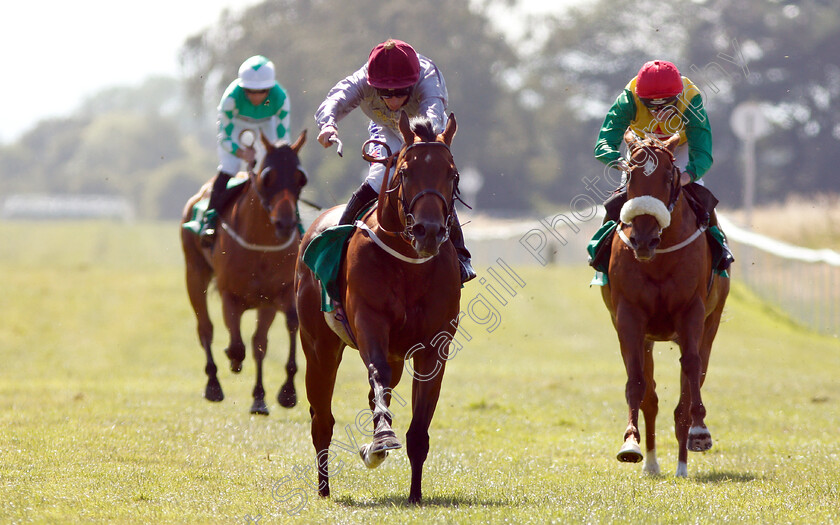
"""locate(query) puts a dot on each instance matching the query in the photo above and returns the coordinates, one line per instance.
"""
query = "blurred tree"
(735, 50)
(314, 44)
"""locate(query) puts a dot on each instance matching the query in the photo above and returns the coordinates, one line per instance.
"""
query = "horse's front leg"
(232, 312)
(198, 278)
(632, 341)
(259, 347)
(373, 345)
(428, 375)
(689, 416)
(650, 409)
(287, 397)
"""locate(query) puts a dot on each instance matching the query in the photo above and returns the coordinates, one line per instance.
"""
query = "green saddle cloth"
(599, 251)
(323, 256)
(199, 209)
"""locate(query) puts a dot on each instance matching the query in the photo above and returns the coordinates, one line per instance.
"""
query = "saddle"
(701, 201)
(234, 186)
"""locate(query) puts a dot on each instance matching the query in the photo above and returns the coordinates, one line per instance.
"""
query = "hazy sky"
(56, 53)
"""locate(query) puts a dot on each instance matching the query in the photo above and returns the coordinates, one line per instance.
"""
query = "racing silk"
(690, 121)
(236, 114)
(428, 98)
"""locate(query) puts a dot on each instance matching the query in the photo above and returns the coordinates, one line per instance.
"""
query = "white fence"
(47, 206)
(802, 283)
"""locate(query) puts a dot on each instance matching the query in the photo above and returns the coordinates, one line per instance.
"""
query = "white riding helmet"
(257, 73)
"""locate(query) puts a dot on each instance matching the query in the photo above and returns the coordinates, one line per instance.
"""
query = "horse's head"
(425, 183)
(278, 183)
(653, 187)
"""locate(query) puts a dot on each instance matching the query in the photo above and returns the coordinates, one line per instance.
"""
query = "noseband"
(408, 207)
(675, 178)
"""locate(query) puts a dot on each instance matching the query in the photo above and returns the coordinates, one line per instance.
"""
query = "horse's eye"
(265, 176)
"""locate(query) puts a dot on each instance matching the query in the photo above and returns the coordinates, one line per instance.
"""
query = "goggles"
(656, 104)
(394, 93)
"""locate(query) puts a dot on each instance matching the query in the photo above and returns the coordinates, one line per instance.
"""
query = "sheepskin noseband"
(646, 205)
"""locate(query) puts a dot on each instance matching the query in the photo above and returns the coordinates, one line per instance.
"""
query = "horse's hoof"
(287, 397)
(651, 467)
(372, 459)
(415, 499)
(235, 362)
(259, 407)
(682, 470)
(699, 439)
(384, 442)
(213, 392)
(630, 452)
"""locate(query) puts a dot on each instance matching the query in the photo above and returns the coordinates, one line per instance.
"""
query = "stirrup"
(467, 272)
(207, 237)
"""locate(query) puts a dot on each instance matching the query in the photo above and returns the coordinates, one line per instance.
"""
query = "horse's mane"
(422, 127)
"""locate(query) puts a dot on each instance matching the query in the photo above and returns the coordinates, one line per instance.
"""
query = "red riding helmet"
(393, 64)
(658, 79)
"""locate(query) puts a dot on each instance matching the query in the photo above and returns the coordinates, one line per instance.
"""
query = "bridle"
(674, 196)
(397, 185)
(675, 176)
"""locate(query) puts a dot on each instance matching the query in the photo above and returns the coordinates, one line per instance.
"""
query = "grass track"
(102, 419)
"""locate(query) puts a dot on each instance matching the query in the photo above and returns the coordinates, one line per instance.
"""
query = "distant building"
(50, 207)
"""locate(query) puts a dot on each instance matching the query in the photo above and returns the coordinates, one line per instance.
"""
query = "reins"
(264, 203)
(393, 160)
(676, 188)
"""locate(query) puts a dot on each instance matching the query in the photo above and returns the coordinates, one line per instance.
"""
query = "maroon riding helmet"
(393, 64)
(658, 79)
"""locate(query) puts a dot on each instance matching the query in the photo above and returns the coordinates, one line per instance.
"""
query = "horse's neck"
(387, 212)
(683, 220)
(246, 211)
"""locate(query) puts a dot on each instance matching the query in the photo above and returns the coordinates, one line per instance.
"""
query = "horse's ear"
(405, 128)
(301, 140)
(449, 133)
(630, 136)
(267, 143)
(672, 142)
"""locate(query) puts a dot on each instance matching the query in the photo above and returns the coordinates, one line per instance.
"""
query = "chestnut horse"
(662, 288)
(253, 260)
(400, 290)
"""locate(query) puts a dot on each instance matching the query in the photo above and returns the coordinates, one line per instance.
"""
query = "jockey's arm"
(612, 131)
(343, 98)
(698, 131)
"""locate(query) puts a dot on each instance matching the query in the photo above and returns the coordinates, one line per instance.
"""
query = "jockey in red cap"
(394, 79)
(660, 102)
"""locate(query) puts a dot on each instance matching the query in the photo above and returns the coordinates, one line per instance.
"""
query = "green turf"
(102, 417)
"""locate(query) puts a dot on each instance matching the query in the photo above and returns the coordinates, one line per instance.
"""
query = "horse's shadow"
(726, 477)
(400, 500)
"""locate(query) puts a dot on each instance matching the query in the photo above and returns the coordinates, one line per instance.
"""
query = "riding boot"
(456, 235)
(360, 199)
(207, 234)
(727, 258)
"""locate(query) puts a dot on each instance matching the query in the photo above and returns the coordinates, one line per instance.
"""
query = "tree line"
(528, 111)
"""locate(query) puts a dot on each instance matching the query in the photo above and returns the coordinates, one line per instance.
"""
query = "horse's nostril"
(418, 230)
(655, 242)
(633, 242)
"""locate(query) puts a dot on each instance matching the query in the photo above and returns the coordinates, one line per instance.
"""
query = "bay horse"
(253, 261)
(662, 288)
(400, 290)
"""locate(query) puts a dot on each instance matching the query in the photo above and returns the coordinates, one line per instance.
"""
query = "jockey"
(660, 102)
(394, 79)
(253, 101)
